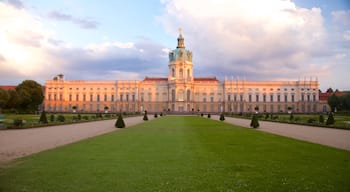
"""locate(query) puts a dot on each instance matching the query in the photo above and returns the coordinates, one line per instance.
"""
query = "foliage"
(330, 119)
(266, 116)
(61, 118)
(222, 117)
(311, 120)
(18, 122)
(120, 122)
(155, 115)
(255, 122)
(52, 118)
(209, 116)
(4, 97)
(31, 95)
(43, 118)
(291, 117)
(145, 117)
(321, 119)
(202, 114)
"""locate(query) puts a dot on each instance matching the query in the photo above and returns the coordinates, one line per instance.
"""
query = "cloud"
(342, 17)
(270, 39)
(15, 3)
(83, 23)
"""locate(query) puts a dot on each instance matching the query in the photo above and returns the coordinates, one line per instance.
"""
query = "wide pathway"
(337, 138)
(17, 143)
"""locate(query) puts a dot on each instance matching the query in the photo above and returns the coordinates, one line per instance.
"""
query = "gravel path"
(22, 142)
(337, 138)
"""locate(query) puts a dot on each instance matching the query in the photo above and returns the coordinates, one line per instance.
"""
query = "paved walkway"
(337, 138)
(17, 143)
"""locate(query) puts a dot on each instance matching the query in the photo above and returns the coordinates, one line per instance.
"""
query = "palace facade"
(182, 92)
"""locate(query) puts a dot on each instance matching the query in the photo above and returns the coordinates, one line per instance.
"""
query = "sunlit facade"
(181, 92)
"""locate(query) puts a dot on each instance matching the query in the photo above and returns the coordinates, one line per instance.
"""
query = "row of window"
(279, 99)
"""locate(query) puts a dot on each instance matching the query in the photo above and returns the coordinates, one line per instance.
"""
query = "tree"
(222, 117)
(31, 95)
(333, 102)
(4, 97)
(43, 118)
(329, 90)
(330, 119)
(13, 101)
(255, 122)
(120, 122)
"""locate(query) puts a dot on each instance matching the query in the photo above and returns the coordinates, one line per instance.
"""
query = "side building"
(181, 92)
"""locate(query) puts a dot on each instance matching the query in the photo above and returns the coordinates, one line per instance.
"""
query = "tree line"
(25, 98)
(339, 102)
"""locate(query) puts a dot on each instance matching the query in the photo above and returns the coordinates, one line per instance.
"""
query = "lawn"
(175, 153)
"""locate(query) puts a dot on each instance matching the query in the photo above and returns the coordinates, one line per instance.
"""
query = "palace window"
(271, 98)
(70, 97)
(257, 98)
(105, 97)
(264, 98)
(121, 97)
(84, 97)
(250, 98)
(112, 97)
(292, 98)
(286, 98)
(98, 97)
(91, 97)
(278, 98)
(77, 97)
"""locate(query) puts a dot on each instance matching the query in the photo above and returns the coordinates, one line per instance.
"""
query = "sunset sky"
(123, 40)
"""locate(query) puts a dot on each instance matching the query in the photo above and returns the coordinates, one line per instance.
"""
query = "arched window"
(188, 73)
(181, 73)
(173, 72)
(181, 95)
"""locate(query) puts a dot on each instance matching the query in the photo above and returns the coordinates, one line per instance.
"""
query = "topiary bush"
(291, 117)
(311, 120)
(43, 118)
(222, 117)
(209, 115)
(145, 117)
(330, 119)
(155, 115)
(120, 122)
(255, 122)
(201, 114)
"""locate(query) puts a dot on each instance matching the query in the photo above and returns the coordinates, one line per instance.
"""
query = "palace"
(182, 92)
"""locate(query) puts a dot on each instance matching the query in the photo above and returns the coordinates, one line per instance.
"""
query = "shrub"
(155, 115)
(18, 122)
(222, 117)
(120, 122)
(201, 114)
(330, 119)
(145, 117)
(75, 118)
(209, 115)
(52, 118)
(255, 122)
(85, 117)
(297, 119)
(266, 116)
(321, 119)
(61, 118)
(43, 118)
(161, 114)
(79, 117)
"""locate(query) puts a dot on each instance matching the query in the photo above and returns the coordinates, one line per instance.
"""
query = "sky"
(128, 40)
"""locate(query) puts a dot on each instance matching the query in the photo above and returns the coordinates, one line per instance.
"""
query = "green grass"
(176, 153)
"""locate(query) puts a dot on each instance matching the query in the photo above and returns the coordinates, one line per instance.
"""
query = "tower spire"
(180, 40)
